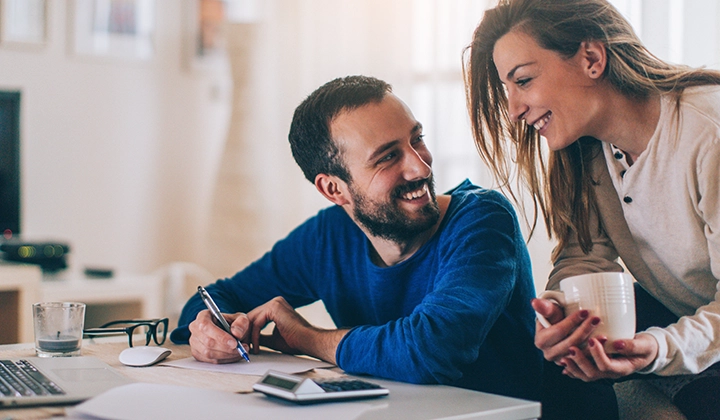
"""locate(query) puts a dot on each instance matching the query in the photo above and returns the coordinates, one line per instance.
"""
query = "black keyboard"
(345, 385)
(22, 379)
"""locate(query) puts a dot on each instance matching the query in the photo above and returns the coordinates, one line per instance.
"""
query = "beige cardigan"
(670, 178)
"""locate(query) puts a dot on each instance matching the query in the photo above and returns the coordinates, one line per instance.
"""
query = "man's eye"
(419, 139)
(387, 158)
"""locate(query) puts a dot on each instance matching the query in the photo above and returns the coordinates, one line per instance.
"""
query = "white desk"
(406, 401)
(418, 402)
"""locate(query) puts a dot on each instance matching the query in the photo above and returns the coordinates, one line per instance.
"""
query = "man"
(424, 289)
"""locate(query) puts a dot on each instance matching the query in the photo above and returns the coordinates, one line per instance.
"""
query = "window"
(677, 31)
(441, 30)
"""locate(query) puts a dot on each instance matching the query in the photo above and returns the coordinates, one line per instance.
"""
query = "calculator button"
(330, 387)
(346, 385)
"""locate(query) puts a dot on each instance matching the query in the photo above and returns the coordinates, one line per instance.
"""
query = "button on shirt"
(621, 167)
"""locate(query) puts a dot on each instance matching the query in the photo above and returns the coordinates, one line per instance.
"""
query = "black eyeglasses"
(153, 329)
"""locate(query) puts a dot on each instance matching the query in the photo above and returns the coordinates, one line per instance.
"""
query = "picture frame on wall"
(116, 29)
(23, 23)
(205, 34)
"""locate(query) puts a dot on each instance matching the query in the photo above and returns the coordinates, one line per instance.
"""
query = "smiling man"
(424, 289)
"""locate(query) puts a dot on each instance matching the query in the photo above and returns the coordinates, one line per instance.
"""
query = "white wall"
(117, 155)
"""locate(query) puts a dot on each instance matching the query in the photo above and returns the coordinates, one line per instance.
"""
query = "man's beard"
(388, 221)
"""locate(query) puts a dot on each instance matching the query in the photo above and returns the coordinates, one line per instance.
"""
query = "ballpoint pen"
(210, 303)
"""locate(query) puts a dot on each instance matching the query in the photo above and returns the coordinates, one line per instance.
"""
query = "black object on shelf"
(98, 272)
(50, 256)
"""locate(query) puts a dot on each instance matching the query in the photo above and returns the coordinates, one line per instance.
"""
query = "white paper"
(259, 364)
(141, 401)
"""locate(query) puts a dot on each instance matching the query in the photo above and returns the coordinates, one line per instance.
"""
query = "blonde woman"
(633, 172)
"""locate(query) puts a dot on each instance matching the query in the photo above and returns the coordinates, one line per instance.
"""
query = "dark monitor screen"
(279, 382)
(9, 164)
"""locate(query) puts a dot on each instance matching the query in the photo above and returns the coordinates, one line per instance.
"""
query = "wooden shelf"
(119, 297)
(123, 296)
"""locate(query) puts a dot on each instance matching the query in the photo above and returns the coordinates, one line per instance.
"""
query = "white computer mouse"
(143, 355)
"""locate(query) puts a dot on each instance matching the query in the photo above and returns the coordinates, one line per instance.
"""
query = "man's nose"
(417, 166)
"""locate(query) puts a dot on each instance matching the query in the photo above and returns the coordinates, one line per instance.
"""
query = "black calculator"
(304, 390)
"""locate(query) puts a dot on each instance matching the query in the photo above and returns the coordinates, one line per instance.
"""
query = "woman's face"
(549, 92)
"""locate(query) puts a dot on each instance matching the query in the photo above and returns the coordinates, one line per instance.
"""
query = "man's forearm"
(323, 344)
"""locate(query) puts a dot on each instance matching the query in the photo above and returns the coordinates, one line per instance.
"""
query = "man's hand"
(632, 355)
(292, 333)
(565, 332)
(209, 343)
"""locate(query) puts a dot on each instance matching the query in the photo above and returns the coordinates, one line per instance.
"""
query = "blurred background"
(155, 131)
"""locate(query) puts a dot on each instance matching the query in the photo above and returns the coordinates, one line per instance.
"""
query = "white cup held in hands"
(609, 296)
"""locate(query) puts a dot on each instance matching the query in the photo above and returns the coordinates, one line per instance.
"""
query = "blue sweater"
(457, 312)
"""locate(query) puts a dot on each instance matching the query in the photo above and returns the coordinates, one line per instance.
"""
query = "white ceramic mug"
(609, 296)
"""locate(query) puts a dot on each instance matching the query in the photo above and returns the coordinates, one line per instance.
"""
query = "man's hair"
(312, 147)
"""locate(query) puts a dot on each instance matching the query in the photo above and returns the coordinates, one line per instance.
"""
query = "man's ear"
(593, 58)
(332, 188)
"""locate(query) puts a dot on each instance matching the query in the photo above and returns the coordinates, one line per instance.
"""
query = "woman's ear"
(593, 58)
(332, 188)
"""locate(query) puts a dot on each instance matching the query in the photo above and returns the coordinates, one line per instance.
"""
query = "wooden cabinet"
(19, 289)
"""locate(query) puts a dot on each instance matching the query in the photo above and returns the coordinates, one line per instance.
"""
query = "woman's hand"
(632, 356)
(565, 333)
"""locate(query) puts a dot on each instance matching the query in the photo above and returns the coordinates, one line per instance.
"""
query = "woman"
(632, 172)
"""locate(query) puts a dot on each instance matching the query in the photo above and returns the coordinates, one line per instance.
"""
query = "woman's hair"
(560, 185)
